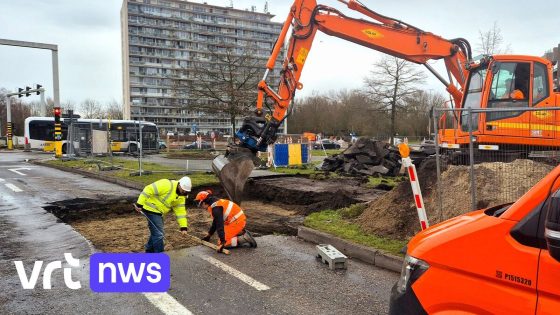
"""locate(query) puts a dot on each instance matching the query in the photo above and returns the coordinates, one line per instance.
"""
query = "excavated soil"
(273, 205)
(306, 195)
(394, 214)
(113, 226)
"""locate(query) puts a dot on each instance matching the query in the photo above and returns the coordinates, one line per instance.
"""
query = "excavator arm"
(377, 32)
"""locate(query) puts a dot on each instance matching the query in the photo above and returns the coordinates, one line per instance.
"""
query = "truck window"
(510, 88)
(540, 83)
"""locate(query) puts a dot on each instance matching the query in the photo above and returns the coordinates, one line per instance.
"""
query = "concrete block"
(330, 255)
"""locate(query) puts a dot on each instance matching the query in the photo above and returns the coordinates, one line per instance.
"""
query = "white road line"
(13, 187)
(16, 170)
(238, 274)
(167, 304)
(1, 180)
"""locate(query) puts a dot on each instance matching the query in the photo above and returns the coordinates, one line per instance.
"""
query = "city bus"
(125, 134)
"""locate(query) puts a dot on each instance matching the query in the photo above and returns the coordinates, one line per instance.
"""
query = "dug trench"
(272, 205)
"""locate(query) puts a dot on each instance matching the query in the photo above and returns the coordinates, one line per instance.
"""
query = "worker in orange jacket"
(228, 220)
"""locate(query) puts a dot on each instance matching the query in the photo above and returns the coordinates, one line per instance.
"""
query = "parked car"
(162, 145)
(428, 146)
(326, 144)
(194, 146)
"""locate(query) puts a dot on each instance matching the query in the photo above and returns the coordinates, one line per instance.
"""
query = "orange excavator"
(467, 80)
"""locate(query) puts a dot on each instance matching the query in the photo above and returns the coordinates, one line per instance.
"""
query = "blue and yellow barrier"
(290, 154)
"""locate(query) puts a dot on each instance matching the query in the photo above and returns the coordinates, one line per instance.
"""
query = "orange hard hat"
(517, 95)
(201, 196)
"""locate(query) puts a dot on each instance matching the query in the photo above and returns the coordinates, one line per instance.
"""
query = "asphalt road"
(281, 276)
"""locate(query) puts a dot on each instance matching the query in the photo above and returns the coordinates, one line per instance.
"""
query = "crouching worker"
(156, 200)
(228, 220)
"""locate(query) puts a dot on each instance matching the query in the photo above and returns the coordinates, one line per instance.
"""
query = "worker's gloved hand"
(184, 230)
(221, 248)
(137, 207)
(207, 237)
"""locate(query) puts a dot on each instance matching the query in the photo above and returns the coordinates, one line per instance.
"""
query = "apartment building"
(160, 41)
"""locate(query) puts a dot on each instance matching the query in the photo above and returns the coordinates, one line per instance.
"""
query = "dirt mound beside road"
(394, 214)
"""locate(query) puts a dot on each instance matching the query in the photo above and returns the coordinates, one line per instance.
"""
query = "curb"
(366, 254)
(117, 181)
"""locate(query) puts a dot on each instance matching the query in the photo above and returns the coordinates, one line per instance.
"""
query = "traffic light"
(20, 91)
(38, 86)
(57, 113)
(27, 89)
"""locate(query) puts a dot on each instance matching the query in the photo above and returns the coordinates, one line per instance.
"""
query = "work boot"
(249, 239)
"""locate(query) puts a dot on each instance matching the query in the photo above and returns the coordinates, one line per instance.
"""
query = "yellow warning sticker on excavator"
(302, 55)
(371, 33)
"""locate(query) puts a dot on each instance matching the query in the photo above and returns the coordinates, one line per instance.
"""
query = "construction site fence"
(500, 152)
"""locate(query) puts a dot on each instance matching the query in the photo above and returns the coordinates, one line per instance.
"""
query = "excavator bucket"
(233, 171)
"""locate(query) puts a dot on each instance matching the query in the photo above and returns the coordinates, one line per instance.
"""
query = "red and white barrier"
(415, 184)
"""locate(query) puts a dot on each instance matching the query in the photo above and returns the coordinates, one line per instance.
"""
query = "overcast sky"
(88, 36)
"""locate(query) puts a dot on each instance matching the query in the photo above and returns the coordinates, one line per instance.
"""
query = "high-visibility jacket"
(232, 212)
(161, 196)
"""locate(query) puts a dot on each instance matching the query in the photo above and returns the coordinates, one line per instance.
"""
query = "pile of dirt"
(394, 214)
(365, 157)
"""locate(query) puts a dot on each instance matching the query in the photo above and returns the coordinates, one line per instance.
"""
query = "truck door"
(548, 280)
(548, 285)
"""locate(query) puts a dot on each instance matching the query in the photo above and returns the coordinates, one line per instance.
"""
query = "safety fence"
(492, 156)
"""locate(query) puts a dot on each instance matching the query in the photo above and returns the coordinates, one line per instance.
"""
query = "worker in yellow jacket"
(156, 200)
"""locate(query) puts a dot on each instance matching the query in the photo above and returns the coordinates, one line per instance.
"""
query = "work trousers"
(155, 224)
(232, 231)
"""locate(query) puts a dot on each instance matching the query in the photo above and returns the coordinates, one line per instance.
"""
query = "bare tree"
(416, 119)
(91, 108)
(113, 110)
(223, 80)
(491, 42)
(390, 82)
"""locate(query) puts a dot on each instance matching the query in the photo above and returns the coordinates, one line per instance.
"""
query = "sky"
(89, 40)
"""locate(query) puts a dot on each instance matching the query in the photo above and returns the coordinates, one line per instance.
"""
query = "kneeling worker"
(227, 219)
(156, 200)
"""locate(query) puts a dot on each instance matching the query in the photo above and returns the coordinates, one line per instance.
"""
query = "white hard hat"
(185, 183)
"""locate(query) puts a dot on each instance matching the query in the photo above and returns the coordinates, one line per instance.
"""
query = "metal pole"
(140, 149)
(9, 123)
(438, 166)
(56, 91)
(43, 109)
(471, 161)
(70, 145)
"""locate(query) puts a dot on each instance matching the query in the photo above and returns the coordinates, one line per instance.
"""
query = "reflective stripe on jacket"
(232, 211)
(161, 196)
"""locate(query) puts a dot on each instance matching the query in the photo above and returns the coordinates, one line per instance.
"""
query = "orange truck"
(500, 260)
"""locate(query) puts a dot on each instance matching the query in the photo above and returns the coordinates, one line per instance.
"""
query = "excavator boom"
(377, 32)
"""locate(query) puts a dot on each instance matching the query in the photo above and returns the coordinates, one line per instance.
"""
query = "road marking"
(1, 180)
(16, 170)
(167, 304)
(13, 187)
(238, 274)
